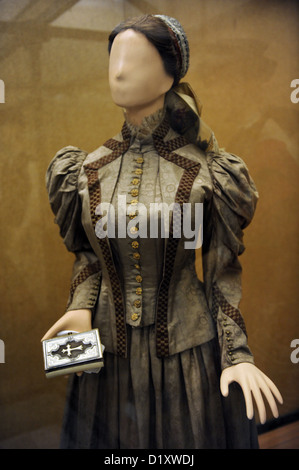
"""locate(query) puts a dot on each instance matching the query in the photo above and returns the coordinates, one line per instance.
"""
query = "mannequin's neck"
(135, 115)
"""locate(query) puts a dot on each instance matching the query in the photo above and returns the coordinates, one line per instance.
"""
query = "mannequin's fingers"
(268, 393)
(224, 387)
(224, 383)
(258, 398)
(248, 399)
(273, 389)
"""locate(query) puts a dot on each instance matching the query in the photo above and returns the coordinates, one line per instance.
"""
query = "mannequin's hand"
(252, 381)
(76, 320)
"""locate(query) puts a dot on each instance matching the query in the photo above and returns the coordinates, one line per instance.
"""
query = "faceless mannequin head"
(137, 76)
(146, 60)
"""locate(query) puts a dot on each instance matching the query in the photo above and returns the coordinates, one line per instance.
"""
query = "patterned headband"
(181, 41)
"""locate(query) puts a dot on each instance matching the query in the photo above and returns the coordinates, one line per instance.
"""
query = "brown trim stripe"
(220, 301)
(91, 170)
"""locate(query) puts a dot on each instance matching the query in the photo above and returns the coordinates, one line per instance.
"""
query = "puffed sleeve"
(61, 182)
(62, 186)
(232, 208)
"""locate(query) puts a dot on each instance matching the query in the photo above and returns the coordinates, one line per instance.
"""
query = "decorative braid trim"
(84, 274)
(91, 170)
(166, 150)
(220, 301)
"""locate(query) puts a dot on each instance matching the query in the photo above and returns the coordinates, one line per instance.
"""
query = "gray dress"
(142, 401)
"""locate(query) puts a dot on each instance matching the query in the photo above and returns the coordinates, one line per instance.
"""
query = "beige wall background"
(53, 61)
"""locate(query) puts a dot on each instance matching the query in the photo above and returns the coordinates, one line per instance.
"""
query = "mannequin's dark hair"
(157, 32)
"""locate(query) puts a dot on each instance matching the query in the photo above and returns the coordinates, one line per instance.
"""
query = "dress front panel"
(139, 255)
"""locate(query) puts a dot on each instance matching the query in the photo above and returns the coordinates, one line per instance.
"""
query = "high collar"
(152, 126)
(147, 127)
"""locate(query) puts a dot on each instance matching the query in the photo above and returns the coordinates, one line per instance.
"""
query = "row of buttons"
(228, 341)
(134, 192)
(94, 291)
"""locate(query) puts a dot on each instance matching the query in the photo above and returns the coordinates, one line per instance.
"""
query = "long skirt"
(144, 402)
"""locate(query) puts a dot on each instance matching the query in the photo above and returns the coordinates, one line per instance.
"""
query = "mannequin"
(139, 83)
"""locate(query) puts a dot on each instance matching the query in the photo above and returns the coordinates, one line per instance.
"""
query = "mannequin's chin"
(146, 108)
(133, 103)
